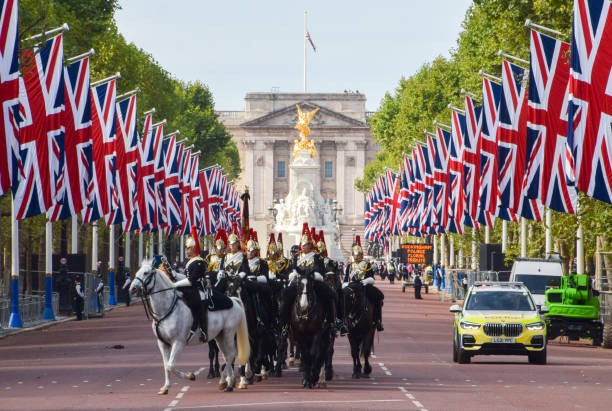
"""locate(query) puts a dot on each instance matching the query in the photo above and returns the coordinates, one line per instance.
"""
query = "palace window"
(329, 169)
(280, 169)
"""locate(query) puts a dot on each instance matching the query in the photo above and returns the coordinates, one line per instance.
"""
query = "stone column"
(360, 153)
(340, 176)
(249, 145)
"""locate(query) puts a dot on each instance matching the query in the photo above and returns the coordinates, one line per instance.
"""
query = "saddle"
(218, 302)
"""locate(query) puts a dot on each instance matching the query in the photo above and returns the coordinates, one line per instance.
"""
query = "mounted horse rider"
(195, 271)
(308, 262)
(279, 267)
(256, 283)
(215, 260)
(361, 270)
(332, 277)
(235, 262)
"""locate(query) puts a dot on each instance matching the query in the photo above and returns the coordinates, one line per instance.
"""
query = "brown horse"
(311, 332)
(359, 320)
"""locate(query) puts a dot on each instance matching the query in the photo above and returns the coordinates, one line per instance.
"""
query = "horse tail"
(242, 336)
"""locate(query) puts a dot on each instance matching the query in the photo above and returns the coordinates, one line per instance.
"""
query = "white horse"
(172, 320)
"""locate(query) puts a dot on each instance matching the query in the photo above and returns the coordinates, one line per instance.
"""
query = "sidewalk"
(42, 324)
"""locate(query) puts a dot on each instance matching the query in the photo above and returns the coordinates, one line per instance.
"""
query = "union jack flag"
(195, 209)
(173, 190)
(41, 134)
(405, 195)
(185, 183)
(511, 144)
(487, 146)
(145, 195)
(590, 90)
(471, 161)
(78, 145)
(418, 173)
(455, 174)
(9, 93)
(161, 219)
(442, 142)
(545, 177)
(127, 163)
(427, 222)
(103, 135)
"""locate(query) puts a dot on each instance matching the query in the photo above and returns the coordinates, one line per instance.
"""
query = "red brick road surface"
(77, 365)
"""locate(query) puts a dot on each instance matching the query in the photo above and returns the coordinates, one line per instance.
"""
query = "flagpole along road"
(114, 363)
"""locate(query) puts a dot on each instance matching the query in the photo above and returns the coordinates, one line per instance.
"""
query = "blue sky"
(240, 46)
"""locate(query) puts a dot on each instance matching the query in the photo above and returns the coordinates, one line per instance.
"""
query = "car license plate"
(503, 340)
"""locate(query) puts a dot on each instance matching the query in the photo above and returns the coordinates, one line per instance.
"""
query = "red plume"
(194, 234)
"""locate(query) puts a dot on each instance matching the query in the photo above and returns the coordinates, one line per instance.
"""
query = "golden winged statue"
(303, 143)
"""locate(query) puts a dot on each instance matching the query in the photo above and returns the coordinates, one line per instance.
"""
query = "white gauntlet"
(182, 283)
(367, 281)
(293, 276)
(262, 279)
(318, 276)
(242, 274)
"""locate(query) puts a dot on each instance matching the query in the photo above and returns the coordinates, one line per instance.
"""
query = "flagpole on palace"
(304, 51)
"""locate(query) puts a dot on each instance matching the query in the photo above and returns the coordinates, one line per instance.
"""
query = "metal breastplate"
(214, 263)
(358, 271)
(233, 262)
(255, 266)
(306, 263)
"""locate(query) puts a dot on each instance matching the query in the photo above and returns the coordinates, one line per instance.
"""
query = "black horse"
(359, 320)
(310, 331)
(332, 279)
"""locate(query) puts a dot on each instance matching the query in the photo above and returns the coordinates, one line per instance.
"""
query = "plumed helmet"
(295, 248)
(252, 245)
(279, 242)
(221, 239)
(357, 246)
(306, 236)
(272, 248)
(189, 242)
(232, 238)
(321, 242)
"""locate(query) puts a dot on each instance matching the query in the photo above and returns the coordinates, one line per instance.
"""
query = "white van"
(538, 275)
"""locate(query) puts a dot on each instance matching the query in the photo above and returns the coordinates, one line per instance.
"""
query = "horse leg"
(329, 369)
(176, 349)
(217, 363)
(291, 353)
(367, 349)
(243, 380)
(227, 346)
(355, 355)
(165, 352)
(212, 348)
(322, 383)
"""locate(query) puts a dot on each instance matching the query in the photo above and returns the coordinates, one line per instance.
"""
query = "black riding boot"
(204, 322)
(378, 316)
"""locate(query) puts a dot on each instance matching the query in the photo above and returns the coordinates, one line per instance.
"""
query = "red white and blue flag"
(455, 174)
(101, 190)
(41, 129)
(145, 196)
(78, 145)
(9, 94)
(471, 161)
(160, 175)
(590, 90)
(173, 190)
(127, 163)
(442, 143)
(545, 176)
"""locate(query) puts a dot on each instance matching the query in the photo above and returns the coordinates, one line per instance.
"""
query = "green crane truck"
(574, 310)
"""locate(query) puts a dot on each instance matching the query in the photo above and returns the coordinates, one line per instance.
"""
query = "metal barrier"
(454, 281)
(31, 307)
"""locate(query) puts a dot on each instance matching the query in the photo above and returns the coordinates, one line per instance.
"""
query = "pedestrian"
(391, 271)
(79, 299)
(464, 284)
(418, 283)
(126, 288)
(100, 293)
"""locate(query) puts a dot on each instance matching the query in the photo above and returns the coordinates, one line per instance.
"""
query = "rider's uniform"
(359, 272)
(332, 278)
(234, 264)
(195, 270)
(214, 263)
(257, 286)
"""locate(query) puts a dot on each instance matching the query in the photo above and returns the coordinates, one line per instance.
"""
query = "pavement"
(113, 363)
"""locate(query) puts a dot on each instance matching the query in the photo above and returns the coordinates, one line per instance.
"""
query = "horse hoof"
(258, 378)
(284, 366)
(322, 384)
(242, 386)
(211, 374)
(162, 391)
(329, 374)
(355, 375)
(301, 368)
(278, 373)
(364, 375)
(264, 376)
(291, 361)
(228, 389)
(191, 376)
(217, 373)
(222, 386)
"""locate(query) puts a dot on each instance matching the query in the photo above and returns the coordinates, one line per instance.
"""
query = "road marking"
(411, 397)
(40, 387)
(255, 404)
(173, 403)
(418, 404)
(142, 385)
(53, 382)
(180, 395)
(388, 373)
(199, 371)
(85, 381)
(185, 388)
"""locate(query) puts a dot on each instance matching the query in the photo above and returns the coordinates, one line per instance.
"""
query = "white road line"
(255, 404)
(179, 395)
(199, 371)
(402, 389)
(388, 373)
(173, 403)
(185, 388)
(410, 396)
(418, 404)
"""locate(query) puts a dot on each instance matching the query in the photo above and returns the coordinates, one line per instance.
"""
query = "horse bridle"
(355, 320)
(146, 297)
(298, 312)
